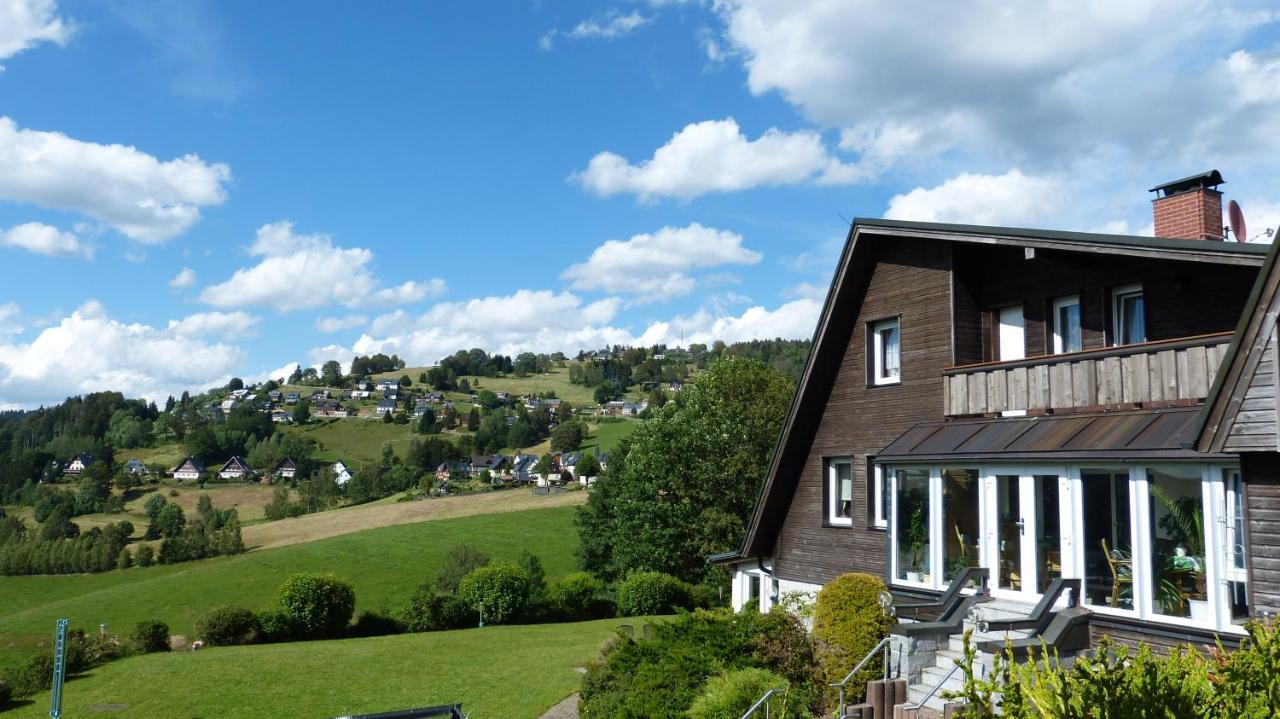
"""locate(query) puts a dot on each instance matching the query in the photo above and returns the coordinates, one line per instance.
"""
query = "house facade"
(236, 468)
(79, 463)
(190, 468)
(1025, 402)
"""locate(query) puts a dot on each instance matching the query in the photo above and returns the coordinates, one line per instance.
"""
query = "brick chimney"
(1190, 208)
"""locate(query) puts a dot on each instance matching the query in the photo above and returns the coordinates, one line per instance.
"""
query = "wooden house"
(1030, 403)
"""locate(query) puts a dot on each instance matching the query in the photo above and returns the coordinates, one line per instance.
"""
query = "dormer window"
(1128, 314)
(886, 352)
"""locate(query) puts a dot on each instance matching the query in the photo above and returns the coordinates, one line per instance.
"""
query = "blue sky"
(191, 191)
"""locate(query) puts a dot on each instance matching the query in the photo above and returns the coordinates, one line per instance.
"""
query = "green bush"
(150, 636)
(32, 676)
(275, 625)
(659, 676)
(6, 694)
(648, 593)
(227, 626)
(374, 624)
(733, 692)
(459, 561)
(1246, 682)
(579, 596)
(847, 623)
(320, 605)
(430, 611)
(500, 591)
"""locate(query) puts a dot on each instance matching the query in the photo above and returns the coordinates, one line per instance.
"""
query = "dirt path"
(311, 527)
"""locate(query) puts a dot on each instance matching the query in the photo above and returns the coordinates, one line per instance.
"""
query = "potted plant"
(1183, 524)
(916, 533)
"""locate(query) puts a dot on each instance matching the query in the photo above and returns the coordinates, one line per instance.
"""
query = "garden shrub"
(150, 636)
(430, 611)
(459, 561)
(647, 593)
(32, 676)
(708, 596)
(782, 643)
(1246, 682)
(660, 676)
(275, 625)
(579, 596)
(320, 605)
(500, 591)
(227, 626)
(733, 692)
(847, 623)
(375, 624)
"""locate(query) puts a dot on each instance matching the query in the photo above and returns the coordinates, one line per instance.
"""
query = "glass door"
(1024, 532)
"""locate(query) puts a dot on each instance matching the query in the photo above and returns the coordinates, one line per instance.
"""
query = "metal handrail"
(885, 644)
(917, 706)
(763, 701)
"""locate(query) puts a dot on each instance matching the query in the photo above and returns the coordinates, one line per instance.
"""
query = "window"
(914, 554)
(880, 498)
(1236, 575)
(1066, 325)
(840, 492)
(886, 352)
(1128, 315)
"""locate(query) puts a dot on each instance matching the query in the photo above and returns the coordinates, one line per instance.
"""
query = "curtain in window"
(889, 341)
(1069, 327)
(1135, 329)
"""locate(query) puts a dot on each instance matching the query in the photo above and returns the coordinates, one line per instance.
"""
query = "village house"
(421, 408)
(280, 415)
(434, 397)
(228, 405)
(190, 468)
(522, 467)
(493, 463)
(1038, 411)
(361, 394)
(341, 474)
(386, 405)
(236, 468)
(388, 384)
(79, 463)
(291, 398)
(285, 469)
(135, 467)
(453, 467)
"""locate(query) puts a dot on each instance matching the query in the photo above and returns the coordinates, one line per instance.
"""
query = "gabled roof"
(1257, 322)
(843, 304)
(286, 463)
(236, 463)
(190, 464)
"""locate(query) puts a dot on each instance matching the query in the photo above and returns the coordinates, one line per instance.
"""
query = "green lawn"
(385, 565)
(513, 672)
(608, 434)
(355, 440)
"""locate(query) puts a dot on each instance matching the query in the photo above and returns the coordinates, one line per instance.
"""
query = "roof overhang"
(1131, 436)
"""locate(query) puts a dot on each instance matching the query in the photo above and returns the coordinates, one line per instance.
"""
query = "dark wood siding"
(1181, 299)
(1253, 428)
(912, 280)
(1160, 637)
(1262, 526)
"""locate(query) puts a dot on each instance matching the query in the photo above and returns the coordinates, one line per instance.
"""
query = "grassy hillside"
(249, 500)
(385, 565)
(557, 380)
(515, 672)
(355, 440)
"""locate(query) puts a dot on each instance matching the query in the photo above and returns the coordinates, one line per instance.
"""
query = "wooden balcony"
(1168, 372)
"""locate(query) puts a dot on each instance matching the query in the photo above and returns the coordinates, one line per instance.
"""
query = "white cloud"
(45, 240)
(279, 374)
(184, 279)
(142, 197)
(1039, 85)
(220, 324)
(10, 314)
(543, 321)
(27, 23)
(334, 324)
(302, 271)
(715, 156)
(88, 352)
(1009, 199)
(655, 266)
(609, 25)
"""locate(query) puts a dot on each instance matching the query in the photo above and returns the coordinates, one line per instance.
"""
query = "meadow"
(517, 672)
(385, 565)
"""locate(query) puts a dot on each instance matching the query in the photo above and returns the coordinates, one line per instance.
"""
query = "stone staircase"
(947, 657)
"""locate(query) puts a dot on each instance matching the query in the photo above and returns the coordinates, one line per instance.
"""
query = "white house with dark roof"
(236, 468)
(191, 468)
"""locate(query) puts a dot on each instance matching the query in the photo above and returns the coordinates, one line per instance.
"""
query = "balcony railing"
(1166, 372)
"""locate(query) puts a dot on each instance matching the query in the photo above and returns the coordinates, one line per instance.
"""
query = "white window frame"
(1117, 320)
(833, 492)
(1059, 337)
(878, 375)
(878, 517)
